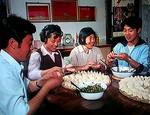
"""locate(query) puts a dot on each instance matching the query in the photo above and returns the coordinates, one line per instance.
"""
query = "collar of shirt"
(82, 48)
(11, 60)
(45, 52)
(140, 41)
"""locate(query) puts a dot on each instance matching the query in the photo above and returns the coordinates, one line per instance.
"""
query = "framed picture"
(64, 10)
(38, 12)
(121, 11)
(86, 13)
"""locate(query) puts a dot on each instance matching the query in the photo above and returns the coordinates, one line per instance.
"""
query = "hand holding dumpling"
(123, 56)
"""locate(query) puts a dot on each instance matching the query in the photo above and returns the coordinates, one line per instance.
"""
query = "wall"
(18, 7)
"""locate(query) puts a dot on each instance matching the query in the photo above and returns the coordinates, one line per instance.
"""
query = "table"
(113, 102)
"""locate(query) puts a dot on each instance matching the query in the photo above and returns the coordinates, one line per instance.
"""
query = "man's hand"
(53, 72)
(123, 56)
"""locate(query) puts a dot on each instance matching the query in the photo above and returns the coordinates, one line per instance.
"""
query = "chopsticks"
(75, 86)
(105, 64)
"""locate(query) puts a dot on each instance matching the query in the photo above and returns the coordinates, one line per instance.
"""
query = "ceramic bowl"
(93, 95)
(122, 72)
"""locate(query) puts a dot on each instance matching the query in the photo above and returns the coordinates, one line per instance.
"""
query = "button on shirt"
(13, 93)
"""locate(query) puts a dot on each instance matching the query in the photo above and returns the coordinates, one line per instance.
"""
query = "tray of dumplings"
(136, 88)
(85, 77)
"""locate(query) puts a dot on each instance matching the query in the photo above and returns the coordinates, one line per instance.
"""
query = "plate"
(116, 78)
(134, 97)
(136, 88)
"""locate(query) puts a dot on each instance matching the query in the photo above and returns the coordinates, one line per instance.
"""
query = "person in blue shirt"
(133, 51)
(15, 45)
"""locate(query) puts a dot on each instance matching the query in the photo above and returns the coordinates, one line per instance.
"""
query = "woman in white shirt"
(86, 55)
(47, 56)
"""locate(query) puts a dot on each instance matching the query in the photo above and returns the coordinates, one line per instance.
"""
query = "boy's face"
(130, 33)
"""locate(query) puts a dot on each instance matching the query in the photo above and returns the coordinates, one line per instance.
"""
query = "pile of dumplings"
(93, 77)
(137, 87)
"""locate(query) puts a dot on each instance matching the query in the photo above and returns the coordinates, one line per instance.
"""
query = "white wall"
(19, 7)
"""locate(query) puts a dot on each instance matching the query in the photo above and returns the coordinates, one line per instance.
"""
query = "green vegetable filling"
(92, 89)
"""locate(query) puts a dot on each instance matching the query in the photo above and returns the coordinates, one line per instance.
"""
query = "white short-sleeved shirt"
(79, 57)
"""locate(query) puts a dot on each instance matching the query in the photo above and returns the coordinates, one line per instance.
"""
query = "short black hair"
(85, 32)
(133, 21)
(15, 27)
(48, 29)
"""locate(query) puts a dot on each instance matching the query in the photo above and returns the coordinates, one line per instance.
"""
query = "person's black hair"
(48, 30)
(85, 32)
(14, 27)
(133, 22)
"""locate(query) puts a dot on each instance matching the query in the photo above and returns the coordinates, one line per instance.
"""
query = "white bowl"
(93, 96)
(122, 72)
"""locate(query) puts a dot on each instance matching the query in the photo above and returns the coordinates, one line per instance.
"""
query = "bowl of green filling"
(93, 92)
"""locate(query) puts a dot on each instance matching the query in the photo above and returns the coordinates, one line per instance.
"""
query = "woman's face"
(130, 34)
(90, 41)
(52, 43)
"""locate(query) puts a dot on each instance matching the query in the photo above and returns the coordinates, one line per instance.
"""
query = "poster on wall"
(121, 9)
